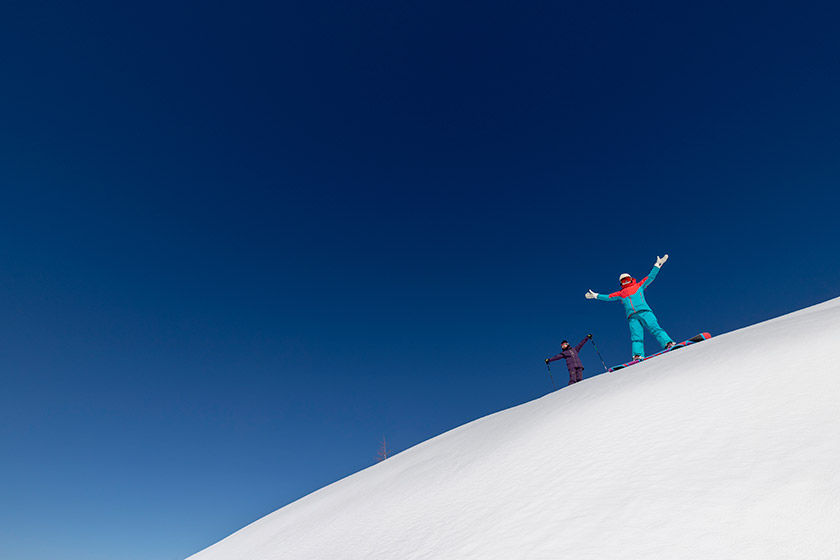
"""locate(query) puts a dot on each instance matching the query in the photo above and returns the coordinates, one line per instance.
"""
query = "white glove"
(591, 295)
(660, 261)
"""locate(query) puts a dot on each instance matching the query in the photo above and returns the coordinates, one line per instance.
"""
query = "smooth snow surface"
(726, 449)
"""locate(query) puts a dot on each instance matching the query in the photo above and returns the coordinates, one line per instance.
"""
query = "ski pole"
(553, 386)
(599, 354)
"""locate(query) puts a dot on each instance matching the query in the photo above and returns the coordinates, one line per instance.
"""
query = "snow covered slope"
(726, 449)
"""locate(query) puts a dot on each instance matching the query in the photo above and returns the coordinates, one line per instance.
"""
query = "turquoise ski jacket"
(633, 295)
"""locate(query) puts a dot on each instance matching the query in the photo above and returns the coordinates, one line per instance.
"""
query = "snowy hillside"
(726, 449)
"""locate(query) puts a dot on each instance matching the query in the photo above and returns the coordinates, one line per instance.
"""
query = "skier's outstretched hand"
(589, 336)
(660, 261)
(591, 295)
(546, 360)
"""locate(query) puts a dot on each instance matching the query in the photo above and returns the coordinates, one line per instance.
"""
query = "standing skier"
(572, 359)
(639, 314)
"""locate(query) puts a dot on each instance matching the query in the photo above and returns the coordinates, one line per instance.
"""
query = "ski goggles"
(625, 281)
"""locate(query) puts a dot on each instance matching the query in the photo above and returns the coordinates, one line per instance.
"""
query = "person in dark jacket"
(572, 359)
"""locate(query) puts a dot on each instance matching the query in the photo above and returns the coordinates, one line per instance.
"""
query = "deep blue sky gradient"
(242, 242)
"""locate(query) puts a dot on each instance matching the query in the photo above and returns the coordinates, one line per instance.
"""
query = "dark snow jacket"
(571, 356)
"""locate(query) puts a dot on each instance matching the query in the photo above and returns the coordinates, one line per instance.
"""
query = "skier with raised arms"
(639, 314)
(573, 362)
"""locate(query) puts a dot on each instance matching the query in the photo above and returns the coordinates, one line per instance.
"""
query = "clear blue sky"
(240, 243)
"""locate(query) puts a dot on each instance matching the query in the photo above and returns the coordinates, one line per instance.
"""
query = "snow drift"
(725, 449)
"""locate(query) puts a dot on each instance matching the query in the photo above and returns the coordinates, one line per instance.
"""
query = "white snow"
(729, 449)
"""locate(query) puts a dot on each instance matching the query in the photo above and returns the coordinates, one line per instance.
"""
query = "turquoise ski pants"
(647, 320)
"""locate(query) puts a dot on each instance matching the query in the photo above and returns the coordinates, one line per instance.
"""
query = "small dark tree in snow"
(383, 451)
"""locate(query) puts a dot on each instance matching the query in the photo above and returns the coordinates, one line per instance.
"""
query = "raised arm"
(582, 342)
(601, 297)
(654, 271)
